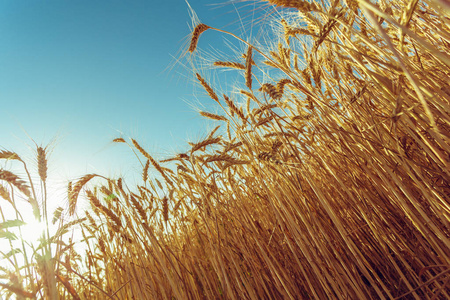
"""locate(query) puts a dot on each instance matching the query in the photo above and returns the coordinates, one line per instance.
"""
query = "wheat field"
(326, 176)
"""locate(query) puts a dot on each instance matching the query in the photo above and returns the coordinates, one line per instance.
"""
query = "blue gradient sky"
(81, 72)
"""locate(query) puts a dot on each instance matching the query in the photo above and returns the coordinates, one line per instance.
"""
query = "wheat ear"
(229, 64)
(207, 88)
(152, 161)
(42, 163)
(8, 155)
(212, 116)
(298, 4)
(198, 30)
(248, 68)
(75, 191)
(15, 181)
(204, 143)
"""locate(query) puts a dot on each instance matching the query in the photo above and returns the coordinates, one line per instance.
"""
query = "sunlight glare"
(32, 231)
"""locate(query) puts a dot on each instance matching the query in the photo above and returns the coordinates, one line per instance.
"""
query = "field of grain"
(327, 176)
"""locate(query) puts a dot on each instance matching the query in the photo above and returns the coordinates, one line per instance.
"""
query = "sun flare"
(32, 231)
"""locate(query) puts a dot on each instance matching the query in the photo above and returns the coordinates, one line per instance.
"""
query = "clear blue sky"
(80, 71)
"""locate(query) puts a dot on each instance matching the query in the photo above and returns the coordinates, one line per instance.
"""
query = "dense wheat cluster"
(327, 176)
